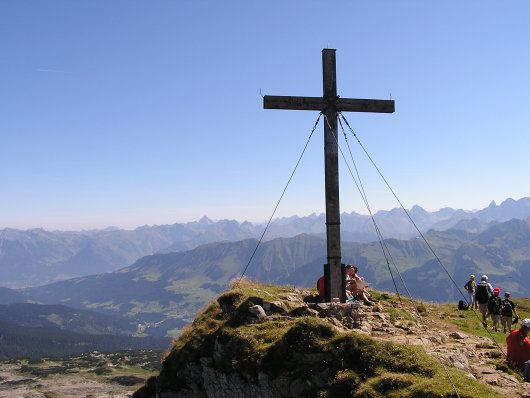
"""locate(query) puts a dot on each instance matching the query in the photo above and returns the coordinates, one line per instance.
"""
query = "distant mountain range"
(162, 292)
(36, 257)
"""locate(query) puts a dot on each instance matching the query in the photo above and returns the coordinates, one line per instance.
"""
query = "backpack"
(482, 295)
(494, 305)
(462, 305)
(321, 289)
(507, 309)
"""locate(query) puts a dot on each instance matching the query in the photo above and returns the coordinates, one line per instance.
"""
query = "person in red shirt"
(518, 345)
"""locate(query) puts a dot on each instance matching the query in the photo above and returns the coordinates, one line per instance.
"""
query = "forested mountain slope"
(164, 291)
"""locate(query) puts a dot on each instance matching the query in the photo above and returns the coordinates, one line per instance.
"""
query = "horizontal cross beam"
(320, 103)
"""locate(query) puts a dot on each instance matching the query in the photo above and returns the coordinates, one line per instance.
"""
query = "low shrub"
(126, 380)
(101, 370)
(344, 383)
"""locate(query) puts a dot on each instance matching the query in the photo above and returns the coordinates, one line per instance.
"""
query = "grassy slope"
(470, 321)
(354, 364)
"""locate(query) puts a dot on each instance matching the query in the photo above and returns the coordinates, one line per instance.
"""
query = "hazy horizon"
(216, 219)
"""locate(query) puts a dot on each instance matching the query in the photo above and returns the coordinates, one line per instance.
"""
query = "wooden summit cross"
(330, 104)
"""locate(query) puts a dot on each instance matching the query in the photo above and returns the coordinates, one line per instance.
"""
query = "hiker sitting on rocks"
(494, 308)
(507, 311)
(352, 285)
(518, 345)
(482, 294)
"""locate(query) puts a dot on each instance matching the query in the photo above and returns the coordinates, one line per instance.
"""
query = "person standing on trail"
(482, 294)
(507, 311)
(494, 308)
(470, 288)
(518, 346)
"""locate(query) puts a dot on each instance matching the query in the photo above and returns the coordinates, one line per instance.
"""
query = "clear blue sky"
(128, 113)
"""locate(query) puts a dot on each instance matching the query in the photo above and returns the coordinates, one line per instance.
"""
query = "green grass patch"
(398, 314)
(471, 323)
(522, 306)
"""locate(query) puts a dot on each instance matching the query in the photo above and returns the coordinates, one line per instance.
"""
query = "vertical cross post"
(333, 270)
(329, 104)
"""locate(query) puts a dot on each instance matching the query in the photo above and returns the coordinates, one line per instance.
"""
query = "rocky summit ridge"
(276, 341)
